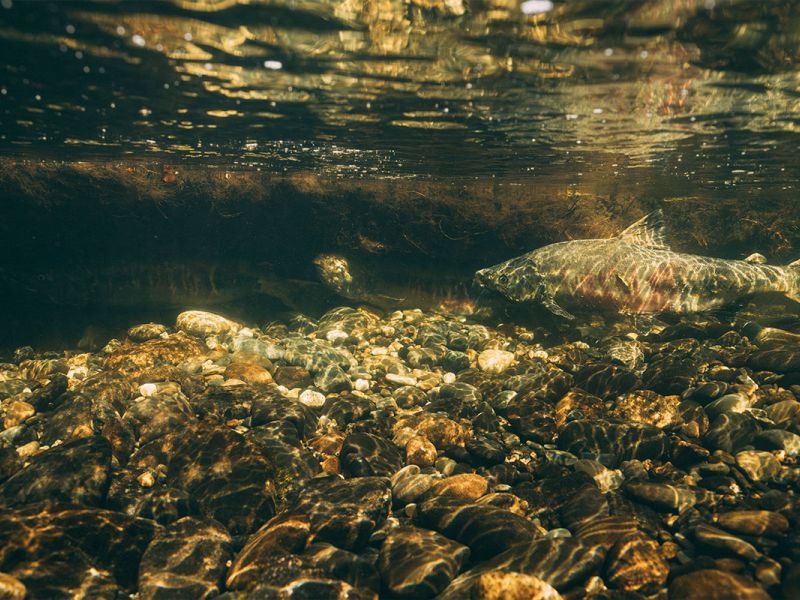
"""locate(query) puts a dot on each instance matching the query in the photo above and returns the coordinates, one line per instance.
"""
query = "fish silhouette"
(635, 272)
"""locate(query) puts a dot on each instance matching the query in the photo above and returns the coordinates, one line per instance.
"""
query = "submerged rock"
(417, 563)
(186, 559)
(75, 473)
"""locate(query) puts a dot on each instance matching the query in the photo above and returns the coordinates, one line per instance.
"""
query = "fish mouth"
(480, 279)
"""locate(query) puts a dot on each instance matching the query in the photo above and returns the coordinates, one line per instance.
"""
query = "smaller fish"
(635, 272)
(163, 286)
(378, 285)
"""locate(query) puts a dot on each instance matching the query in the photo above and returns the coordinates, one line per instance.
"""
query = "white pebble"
(148, 389)
(449, 377)
(335, 334)
(312, 399)
(379, 351)
(362, 385)
(401, 379)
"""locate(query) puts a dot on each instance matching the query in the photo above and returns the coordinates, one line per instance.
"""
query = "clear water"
(451, 131)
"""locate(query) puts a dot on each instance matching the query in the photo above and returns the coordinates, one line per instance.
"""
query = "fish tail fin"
(793, 269)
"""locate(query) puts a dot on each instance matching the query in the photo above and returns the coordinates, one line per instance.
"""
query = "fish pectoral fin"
(756, 259)
(554, 308)
(621, 280)
(391, 298)
(648, 231)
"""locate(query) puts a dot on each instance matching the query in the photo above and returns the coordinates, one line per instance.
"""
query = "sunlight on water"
(666, 86)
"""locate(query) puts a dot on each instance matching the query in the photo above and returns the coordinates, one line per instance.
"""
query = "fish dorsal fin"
(648, 231)
(756, 259)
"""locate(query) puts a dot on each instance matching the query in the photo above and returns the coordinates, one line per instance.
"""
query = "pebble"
(417, 563)
(662, 495)
(511, 585)
(416, 455)
(419, 451)
(754, 522)
(11, 588)
(467, 486)
(401, 379)
(635, 564)
(495, 361)
(16, 412)
(712, 584)
(312, 399)
(146, 331)
(759, 465)
(203, 324)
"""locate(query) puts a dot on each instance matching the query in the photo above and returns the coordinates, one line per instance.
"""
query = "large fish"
(635, 273)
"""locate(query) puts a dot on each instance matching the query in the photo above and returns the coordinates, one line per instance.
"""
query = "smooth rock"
(312, 399)
(417, 563)
(467, 486)
(495, 361)
(510, 585)
(11, 588)
(186, 559)
(146, 331)
(754, 522)
(420, 452)
(203, 324)
(712, 584)
(759, 465)
(662, 495)
(487, 530)
(76, 473)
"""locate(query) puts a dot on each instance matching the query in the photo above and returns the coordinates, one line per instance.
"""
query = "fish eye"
(503, 279)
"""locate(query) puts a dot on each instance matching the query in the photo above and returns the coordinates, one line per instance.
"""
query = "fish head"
(334, 270)
(517, 279)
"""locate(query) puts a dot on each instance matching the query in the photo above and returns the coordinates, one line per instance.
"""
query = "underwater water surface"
(265, 331)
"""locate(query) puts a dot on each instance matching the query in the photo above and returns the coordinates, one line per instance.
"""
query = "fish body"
(635, 273)
(162, 285)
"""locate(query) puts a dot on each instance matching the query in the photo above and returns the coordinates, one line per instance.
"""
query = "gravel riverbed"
(411, 455)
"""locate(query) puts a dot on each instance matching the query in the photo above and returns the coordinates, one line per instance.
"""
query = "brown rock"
(636, 565)
(646, 406)
(15, 412)
(754, 522)
(292, 377)
(134, 358)
(759, 465)
(248, 372)
(578, 400)
(202, 324)
(438, 429)
(284, 534)
(330, 443)
(11, 588)
(510, 585)
(146, 331)
(469, 486)
(419, 451)
(711, 584)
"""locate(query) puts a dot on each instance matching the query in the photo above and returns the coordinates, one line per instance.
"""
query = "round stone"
(312, 399)
(203, 324)
(712, 584)
(419, 451)
(759, 465)
(469, 486)
(495, 361)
